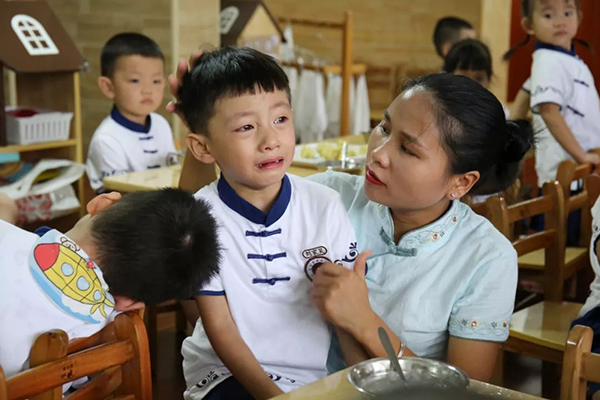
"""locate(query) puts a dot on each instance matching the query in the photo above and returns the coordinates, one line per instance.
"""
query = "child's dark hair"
(474, 131)
(448, 30)
(527, 12)
(157, 245)
(127, 44)
(229, 71)
(469, 54)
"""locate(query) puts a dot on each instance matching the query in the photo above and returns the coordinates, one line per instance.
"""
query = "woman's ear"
(462, 184)
(198, 145)
(106, 87)
(123, 304)
(527, 25)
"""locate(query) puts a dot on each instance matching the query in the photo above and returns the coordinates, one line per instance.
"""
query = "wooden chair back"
(567, 173)
(580, 365)
(592, 186)
(116, 361)
(551, 240)
(3, 394)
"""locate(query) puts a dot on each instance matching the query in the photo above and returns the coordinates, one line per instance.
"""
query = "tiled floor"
(522, 373)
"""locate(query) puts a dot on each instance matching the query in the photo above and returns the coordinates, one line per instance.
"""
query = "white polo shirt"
(46, 283)
(560, 77)
(266, 274)
(120, 146)
(593, 300)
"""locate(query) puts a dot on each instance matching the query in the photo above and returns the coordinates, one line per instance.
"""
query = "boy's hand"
(102, 202)
(183, 67)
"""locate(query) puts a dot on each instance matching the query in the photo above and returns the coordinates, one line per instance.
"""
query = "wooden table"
(541, 330)
(337, 387)
(166, 177)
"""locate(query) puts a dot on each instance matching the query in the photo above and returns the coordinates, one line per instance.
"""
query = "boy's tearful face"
(252, 139)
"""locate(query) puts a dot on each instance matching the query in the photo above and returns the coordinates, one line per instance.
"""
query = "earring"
(453, 195)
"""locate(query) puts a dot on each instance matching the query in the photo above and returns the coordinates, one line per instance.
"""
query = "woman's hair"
(527, 12)
(474, 132)
(469, 54)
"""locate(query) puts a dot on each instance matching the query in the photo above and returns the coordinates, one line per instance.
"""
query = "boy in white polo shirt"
(259, 334)
(147, 248)
(132, 137)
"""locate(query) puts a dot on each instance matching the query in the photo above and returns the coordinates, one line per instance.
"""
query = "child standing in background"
(563, 92)
(133, 137)
(472, 58)
(450, 30)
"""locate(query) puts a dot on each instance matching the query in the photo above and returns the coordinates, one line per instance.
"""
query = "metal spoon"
(389, 349)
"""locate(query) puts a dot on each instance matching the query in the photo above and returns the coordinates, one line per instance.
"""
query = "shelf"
(20, 148)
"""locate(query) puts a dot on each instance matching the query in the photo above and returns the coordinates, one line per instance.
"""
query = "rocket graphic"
(72, 274)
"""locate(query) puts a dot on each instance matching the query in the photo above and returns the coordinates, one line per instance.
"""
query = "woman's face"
(407, 167)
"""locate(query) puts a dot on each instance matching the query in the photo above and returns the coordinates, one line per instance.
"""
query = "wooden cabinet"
(46, 64)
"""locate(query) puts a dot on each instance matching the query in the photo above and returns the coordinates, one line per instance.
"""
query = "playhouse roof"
(33, 39)
(246, 9)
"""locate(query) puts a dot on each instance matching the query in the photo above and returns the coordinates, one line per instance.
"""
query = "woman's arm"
(231, 348)
(555, 122)
(477, 358)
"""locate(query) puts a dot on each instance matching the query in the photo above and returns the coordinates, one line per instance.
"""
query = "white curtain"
(361, 121)
(310, 117)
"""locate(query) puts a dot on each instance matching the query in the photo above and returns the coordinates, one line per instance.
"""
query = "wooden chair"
(580, 365)
(116, 361)
(577, 261)
(541, 330)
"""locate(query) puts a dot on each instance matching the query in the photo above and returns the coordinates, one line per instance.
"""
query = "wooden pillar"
(346, 74)
(495, 32)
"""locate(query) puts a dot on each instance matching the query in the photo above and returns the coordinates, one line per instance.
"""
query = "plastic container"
(28, 126)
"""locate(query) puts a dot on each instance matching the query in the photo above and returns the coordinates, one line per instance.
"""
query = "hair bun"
(519, 140)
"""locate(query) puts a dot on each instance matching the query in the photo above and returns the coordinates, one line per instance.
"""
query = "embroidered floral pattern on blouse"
(478, 327)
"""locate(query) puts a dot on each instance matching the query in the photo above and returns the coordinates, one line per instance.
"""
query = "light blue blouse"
(456, 276)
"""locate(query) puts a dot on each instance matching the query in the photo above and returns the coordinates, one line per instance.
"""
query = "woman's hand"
(9, 211)
(183, 67)
(341, 295)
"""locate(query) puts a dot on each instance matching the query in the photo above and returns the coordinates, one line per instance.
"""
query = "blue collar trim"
(547, 46)
(248, 211)
(116, 115)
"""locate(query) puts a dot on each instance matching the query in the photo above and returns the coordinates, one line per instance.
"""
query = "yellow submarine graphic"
(70, 272)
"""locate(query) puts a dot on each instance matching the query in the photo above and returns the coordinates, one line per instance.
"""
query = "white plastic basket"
(45, 126)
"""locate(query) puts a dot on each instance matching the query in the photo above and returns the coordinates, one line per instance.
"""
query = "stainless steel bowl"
(376, 376)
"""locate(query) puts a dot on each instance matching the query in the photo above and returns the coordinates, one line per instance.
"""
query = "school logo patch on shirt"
(315, 258)
(70, 278)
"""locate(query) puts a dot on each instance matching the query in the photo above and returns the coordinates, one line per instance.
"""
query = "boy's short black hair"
(470, 55)
(448, 30)
(229, 71)
(127, 44)
(157, 245)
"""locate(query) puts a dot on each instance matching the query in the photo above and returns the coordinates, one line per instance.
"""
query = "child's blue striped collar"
(548, 46)
(249, 211)
(120, 119)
